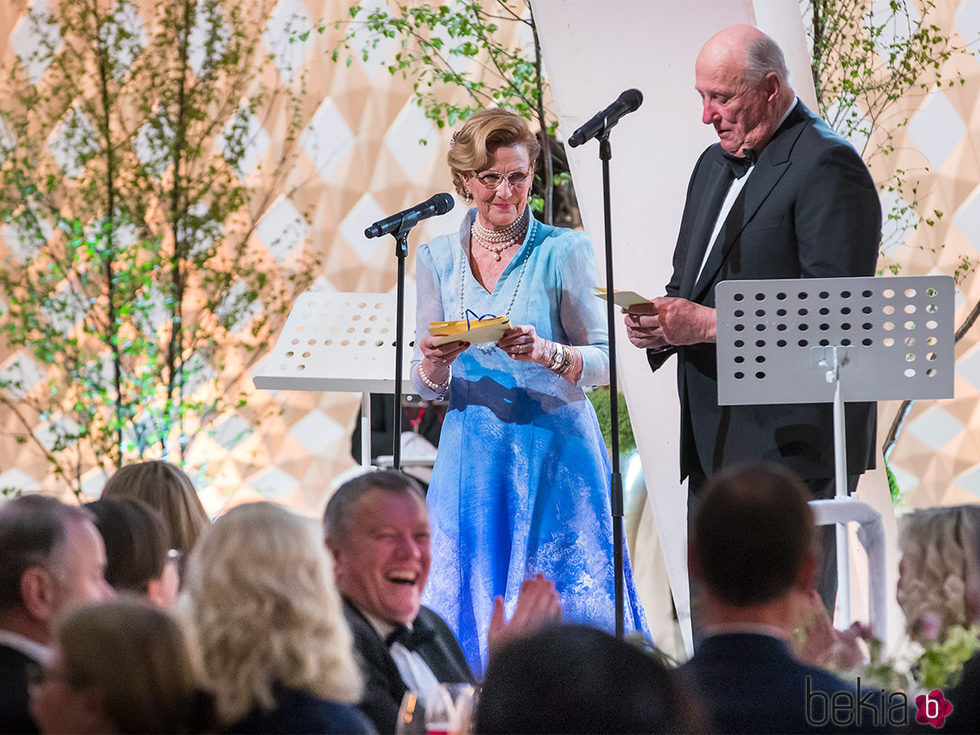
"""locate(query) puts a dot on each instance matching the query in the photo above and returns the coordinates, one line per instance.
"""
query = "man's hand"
(670, 321)
(537, 605)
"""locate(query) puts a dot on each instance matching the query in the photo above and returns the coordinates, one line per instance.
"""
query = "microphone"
(438, 204)
(624, 104)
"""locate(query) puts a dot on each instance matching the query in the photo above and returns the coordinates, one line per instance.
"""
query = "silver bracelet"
(557, 358)
(563, 360)
(435, 387)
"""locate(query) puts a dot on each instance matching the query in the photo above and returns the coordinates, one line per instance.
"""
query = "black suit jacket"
(15, 717)
(383, 685)
(808, 210)
(750, 683)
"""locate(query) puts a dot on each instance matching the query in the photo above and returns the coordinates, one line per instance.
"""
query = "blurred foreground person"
(137, 546)
(51, 560)
(119, 667)
(276, 651)
(753, 553)
(167, 488)
(574, 679)
(939, 588)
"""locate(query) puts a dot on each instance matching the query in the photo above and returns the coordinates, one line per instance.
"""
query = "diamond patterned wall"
(362, 159)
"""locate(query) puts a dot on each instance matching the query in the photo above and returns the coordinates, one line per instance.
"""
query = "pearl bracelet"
(435, 387)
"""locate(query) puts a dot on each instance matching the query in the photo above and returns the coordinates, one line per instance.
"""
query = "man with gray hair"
(779, 196)
(51, 559)
(376, 526)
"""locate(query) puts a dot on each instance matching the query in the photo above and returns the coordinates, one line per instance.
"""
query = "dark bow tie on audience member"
(411, 639)
(740, 166)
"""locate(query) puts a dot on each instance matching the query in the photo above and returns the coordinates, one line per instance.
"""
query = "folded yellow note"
(623, 298)
(475, 331)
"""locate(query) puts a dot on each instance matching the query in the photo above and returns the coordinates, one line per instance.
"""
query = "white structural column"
(593, 51)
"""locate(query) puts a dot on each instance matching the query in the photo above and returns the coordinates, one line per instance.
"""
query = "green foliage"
(603, 411)
(941, 663)
(865, 57)
(460, 47)
(894, 491)
(135, 278)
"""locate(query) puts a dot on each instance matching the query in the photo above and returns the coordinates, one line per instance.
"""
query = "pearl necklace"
(496, 241)
(490, 346)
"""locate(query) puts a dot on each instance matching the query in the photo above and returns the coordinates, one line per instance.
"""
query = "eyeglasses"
(493, 180)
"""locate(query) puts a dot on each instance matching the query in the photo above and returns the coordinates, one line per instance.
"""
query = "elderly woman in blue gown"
(521, 481)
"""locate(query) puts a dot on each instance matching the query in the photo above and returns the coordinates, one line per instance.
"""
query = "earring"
(468, 196)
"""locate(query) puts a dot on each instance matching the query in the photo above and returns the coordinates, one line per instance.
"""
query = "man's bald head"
(743, 81)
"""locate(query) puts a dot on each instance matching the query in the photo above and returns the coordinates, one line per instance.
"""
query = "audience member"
(377, 528)
(939, 572)
(262, 604)
(167, 488)
(51, 560)
(137, 547)
(939, 587)
(574, 679)
(118, 667)
(752, 551)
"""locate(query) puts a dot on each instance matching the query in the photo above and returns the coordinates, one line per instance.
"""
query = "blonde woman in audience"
(167, 488)
(119, 667)
(939, 574)
(276, 651)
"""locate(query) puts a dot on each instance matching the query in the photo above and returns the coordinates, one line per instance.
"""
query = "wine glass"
(449, 709)
(411, 715)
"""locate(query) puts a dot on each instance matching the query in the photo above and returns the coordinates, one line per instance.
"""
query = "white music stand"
(339, 342)
(835, 340)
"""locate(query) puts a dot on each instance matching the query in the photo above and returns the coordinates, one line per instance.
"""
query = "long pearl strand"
(496, 241)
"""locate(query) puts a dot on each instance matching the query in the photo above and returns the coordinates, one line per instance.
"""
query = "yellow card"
(487, 330)
(623, 298)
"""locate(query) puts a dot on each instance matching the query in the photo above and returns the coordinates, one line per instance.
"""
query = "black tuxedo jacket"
(808, 210)
(750, 683)
(383, 685)
(15, 716)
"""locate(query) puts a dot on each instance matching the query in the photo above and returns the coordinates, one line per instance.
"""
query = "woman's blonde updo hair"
(486, 131)
(939, 586)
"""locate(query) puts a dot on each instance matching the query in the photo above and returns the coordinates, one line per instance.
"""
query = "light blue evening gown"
(521, 478)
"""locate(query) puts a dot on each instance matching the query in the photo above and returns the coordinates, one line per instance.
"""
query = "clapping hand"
(537, 605)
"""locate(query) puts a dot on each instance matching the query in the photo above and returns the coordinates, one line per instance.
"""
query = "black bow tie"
(740, 166)
(411, 639)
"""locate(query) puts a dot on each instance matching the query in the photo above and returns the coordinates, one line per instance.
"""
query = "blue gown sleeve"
(428, 309)
(582, 315)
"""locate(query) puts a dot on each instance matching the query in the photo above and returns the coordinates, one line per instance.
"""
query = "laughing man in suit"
(377, 528)
(779, 196)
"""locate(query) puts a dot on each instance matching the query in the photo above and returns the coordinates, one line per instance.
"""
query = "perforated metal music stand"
(835, 340)
(339, 342)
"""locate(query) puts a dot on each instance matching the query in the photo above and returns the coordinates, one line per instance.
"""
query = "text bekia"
(867, 707)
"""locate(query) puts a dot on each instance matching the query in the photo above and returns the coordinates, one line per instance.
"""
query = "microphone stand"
(616, 480)
(401, 253)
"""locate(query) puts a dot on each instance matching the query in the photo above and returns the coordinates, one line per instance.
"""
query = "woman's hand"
(436, 359)
(523, 343)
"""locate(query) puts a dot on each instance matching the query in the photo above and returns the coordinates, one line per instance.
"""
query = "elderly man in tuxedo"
(779, 196)
(377, 528)
(51, 559)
